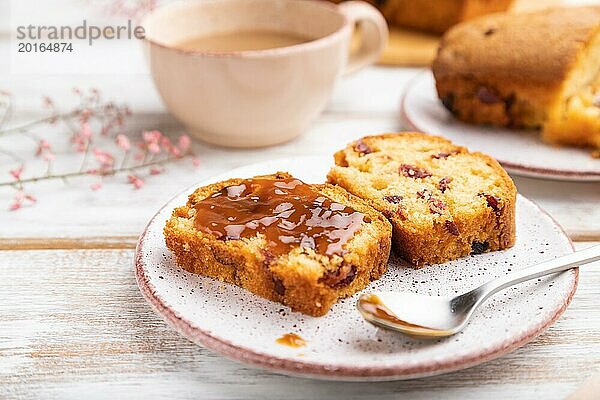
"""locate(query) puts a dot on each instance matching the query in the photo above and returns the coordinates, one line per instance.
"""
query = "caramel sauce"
(291, 340)
(288, 212)
(375, 306)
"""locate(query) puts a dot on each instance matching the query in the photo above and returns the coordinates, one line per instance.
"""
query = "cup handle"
(374, 31)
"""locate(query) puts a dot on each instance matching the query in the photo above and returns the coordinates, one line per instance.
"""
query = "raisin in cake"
(443, 201)
(302, 245)
(538, 70)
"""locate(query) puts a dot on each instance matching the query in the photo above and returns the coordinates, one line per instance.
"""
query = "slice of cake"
(538, 70)
(302, 245)
(443, 201)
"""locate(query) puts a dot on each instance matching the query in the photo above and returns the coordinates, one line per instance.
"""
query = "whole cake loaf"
(436, 15)
(443, 201)
(302, 245)
(537, 70)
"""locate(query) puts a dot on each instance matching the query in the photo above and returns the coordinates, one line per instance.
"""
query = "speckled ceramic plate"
(520, 152)
(341, 345)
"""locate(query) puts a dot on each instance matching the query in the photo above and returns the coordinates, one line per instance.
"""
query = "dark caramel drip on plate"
(288, 212)
(291, 340)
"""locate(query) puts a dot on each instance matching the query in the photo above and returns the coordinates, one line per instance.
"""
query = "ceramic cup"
(262, 97)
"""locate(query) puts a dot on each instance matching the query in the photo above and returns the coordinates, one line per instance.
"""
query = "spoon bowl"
(413, 314)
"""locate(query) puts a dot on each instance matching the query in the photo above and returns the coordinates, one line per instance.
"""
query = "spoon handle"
(546, 268)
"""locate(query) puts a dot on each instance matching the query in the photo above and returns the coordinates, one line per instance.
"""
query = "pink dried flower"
(152, 140)
(42, 147)
(48, 102)
(85, 117)
(79, 142)
(175, 152)
(196, 162)
(105, 159)
(96, 186)
(44, 150)
(166, 143)
(136, 181)
(169, 147)
(155, 171)
(184, 143)
(152, 136)
(153, 148)
(19, 196)
(16, 173)
(86, 131)
(123, 142)
(19, 200)
(133, 11)
(83, 138)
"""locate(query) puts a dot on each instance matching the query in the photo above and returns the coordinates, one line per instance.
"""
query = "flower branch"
(104, 172)
(96, 128)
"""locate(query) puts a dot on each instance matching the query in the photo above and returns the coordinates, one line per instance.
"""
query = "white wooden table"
(73, 323)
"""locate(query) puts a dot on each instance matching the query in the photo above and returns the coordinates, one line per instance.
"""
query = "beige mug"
(258, 97)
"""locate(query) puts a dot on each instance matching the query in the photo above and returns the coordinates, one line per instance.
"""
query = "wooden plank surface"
(60, 339)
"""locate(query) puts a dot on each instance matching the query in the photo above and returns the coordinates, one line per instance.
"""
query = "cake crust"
(538, 47)
(443, 201)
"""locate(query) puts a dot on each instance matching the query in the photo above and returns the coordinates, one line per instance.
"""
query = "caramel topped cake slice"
(443, 201)
(302, 245)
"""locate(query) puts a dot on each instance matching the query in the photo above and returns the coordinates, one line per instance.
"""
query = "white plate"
(519, 151)
(341, 345)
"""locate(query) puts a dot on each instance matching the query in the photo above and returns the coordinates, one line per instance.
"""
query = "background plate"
(341, 345)
(519, 151)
